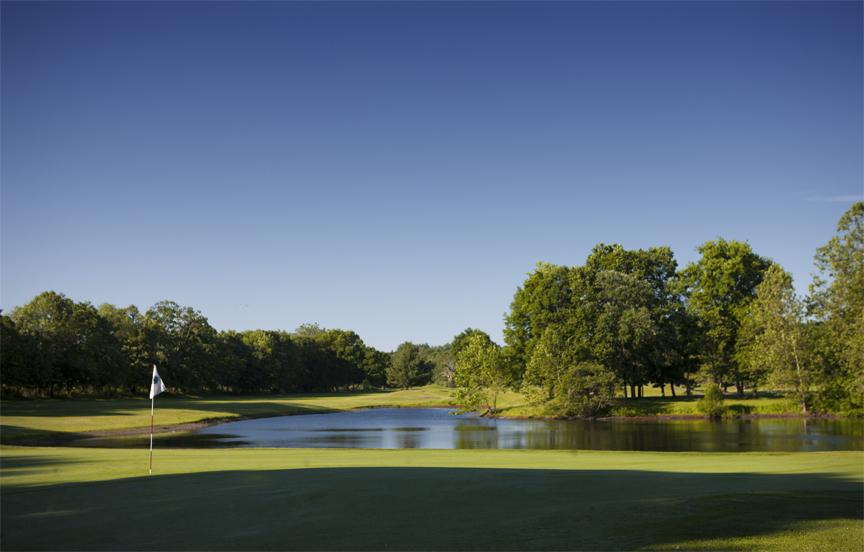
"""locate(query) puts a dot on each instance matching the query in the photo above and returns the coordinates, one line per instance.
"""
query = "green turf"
(72, 498)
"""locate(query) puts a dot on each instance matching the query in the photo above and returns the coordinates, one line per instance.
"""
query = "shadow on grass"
(15, 435)
(740, 409)
(127, 407)
(18, 435)
(422, 508)
(15, 465)
(122, 406)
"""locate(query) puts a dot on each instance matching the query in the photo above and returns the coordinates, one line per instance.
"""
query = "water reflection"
(442, 429)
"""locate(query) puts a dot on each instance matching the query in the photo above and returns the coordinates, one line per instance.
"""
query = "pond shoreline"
(68, 440)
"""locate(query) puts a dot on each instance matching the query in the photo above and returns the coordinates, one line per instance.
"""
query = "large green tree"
(656, 341)
(624, 333)
(719, 288)
(543, 300)
(837, 297)
(776, 343)
(73, 349)
(481, 375)
(406, 366)
(619, 309)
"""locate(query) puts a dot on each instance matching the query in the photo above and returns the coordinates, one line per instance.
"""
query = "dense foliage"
(731, 319)
(55, 346)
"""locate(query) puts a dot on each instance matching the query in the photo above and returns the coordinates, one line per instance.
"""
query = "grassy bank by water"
(35, 418)
(65, 418)
(72, 498)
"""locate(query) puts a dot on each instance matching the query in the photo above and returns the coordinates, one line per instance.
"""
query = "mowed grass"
(324, 499)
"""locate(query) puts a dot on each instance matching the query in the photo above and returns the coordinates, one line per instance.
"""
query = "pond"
(439, 428)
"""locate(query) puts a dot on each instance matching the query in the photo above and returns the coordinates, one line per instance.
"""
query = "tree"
(74, 349)
(126, 325)
(463, 338)
(16, 356)
(544, 299)
(663, 357)
(774, 326)
(263, 361)
(620, 309)
(374, 367)
(182, 340)
(718, 290)
(406, 366)
(47, 321)
(624, 330)
(586, 389)
(443, 358)
(481, 375)
(544, 372)
(559, 377)
(837, 303)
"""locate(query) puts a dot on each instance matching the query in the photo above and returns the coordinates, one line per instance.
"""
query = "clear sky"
(397, 168)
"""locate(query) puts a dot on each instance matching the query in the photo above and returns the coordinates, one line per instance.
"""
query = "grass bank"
(72, 417)
(315, 499)
(63, 420)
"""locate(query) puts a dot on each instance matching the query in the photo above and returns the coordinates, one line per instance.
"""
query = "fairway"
(67, 498)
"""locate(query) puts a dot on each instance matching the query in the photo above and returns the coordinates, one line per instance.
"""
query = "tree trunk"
(625, 390)
(802, 393)
(672, 388)
(633, 391)
(739, 387)
(641, 391)
(494, 401)
(663, 390)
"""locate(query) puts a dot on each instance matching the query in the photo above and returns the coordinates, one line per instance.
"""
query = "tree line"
(630, 318)
(54, 346)
(573, 338)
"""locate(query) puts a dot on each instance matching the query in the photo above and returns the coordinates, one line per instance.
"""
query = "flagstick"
(152, 404)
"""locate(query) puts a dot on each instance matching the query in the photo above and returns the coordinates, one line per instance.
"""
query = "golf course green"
(232, 499)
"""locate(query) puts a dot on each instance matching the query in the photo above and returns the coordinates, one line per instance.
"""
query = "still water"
(440, 428)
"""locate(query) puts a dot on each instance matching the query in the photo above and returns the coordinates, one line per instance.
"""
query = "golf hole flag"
(157, 385)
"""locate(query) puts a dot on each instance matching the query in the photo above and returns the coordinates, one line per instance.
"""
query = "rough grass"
(72, 498)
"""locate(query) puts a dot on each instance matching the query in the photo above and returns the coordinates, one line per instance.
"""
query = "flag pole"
(152, 405)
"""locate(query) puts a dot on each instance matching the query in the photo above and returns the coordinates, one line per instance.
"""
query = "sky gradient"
(398, 168)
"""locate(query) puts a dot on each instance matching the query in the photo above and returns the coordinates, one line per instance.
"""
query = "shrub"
(711, 403)
(585, 389)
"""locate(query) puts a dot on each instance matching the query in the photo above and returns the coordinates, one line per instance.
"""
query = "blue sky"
(397, 168)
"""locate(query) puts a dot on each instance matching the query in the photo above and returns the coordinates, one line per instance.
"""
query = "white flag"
(157, 385)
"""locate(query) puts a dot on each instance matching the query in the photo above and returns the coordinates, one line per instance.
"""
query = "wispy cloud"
(849, 198)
